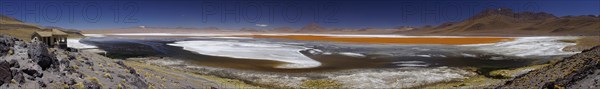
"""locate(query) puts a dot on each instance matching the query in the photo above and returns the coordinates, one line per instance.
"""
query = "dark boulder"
(72, 50)
(38, 52)
(32, 72)
(5, 73)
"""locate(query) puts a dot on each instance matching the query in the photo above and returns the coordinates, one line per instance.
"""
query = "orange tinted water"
(415, 40)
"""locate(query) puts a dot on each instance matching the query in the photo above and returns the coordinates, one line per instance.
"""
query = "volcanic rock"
(39, 53)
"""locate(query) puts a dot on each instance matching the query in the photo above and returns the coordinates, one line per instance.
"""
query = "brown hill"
(12, 23)
(250, 30)
(312, 27)
(504, 21)
(282, 29)
(23, 30)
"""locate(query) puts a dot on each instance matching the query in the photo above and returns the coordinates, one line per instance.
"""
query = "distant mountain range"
(497, 21)
(504, 21)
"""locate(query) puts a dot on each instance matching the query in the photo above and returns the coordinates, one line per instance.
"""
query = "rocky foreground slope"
(32, 65)
(580, 71)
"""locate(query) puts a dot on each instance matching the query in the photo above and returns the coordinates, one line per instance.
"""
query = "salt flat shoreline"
(263, 84)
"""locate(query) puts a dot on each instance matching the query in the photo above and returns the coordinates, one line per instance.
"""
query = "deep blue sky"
(107, 14)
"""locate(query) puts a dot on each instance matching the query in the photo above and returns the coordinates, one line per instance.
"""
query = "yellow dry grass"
(320, 84)
(24, 34)
(181, 75)
(588, 41)
(475, 82)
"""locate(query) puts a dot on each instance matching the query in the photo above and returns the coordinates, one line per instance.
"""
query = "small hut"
(51, 37)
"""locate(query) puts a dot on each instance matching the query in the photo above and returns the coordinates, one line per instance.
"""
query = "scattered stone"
(18, 75)
(42, 84)
(138, 82)
(92, 85)
(131, 70)
(6, 43)
(14, 63)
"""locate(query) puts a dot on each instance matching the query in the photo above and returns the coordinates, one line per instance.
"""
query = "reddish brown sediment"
(412, 40)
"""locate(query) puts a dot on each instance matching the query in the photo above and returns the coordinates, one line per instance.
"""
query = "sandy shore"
(585, 42)
(353, 78)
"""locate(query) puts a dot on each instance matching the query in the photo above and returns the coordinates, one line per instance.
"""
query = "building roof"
(58, 32)
(43, 33)
(50, 33)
